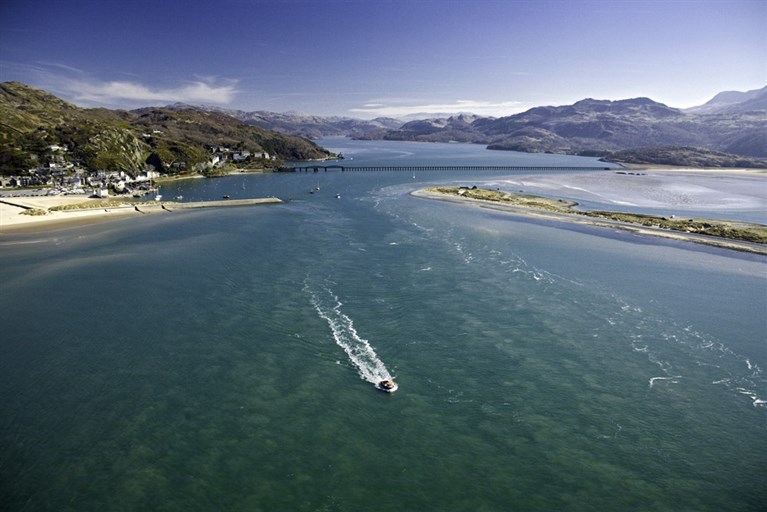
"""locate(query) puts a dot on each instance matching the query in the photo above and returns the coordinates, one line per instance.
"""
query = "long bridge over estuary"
(416, 168)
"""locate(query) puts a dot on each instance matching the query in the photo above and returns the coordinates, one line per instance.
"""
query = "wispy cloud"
(117, 91)
(86, 90)
(485, 108)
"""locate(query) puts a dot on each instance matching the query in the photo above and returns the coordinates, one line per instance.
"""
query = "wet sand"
(714, 191)
(14, 220)
(734, 193)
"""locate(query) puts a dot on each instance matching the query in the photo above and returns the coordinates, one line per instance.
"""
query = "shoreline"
(685, 169)
(13, 221)
(575, 218)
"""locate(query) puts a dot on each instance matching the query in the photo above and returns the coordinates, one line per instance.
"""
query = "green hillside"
(37, 129)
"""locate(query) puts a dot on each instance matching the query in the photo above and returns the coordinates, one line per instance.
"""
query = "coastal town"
(63, 175)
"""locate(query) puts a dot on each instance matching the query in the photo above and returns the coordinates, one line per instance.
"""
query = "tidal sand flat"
(734, 194)
(737, 193)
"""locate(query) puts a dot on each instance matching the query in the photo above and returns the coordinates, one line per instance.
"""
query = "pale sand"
(13, 221)
(12, 218)
(523, 211)
(732, 192)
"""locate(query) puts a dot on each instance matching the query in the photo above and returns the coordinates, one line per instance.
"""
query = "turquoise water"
(223, 359)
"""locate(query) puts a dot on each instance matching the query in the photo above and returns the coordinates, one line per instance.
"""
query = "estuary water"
(224, 359)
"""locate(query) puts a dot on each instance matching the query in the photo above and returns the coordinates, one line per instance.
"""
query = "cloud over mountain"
(112, 92)
(484, 108)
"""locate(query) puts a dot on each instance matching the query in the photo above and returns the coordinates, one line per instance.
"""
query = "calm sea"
(224, 359)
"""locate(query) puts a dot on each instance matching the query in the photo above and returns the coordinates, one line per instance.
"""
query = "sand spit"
(44, 213)
(531, 211)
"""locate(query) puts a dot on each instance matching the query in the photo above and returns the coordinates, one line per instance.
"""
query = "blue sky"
(366, 58)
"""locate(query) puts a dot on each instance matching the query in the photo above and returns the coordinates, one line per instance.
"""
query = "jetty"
(173, 205)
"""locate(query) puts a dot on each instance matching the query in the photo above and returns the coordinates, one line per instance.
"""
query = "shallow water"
(223, 359)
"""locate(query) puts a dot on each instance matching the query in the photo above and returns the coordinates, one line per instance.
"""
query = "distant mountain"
(430, 115)
(730, 102)
(38, 129)
(684, 157)
(314, 127)
(306, 125)
(455, 128)
(598, 127)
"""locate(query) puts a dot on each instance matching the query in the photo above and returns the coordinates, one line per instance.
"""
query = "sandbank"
(14, 220)
(574, 218)
(738, 194)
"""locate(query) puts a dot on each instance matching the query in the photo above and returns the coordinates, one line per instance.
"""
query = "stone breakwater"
(171, 205)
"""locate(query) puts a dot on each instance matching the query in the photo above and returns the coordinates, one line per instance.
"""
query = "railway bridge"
(420, 168)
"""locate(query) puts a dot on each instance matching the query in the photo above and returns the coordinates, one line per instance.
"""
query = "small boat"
(226, 196)
(388, 386)
(338, 196)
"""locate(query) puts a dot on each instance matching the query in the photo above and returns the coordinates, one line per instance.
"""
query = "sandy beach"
(14, 220)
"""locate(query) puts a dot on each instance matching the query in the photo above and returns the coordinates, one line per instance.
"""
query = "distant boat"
(226, 196)
(158, 196)
(338, 196)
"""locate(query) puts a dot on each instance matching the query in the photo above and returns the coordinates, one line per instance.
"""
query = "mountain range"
(735, 124)
(304, 125)
(728, 131)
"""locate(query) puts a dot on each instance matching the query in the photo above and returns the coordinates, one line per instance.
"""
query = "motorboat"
(389, 386)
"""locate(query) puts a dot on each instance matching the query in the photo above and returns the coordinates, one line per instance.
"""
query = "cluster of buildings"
(222, 154)
(81, 181)
(63, 176)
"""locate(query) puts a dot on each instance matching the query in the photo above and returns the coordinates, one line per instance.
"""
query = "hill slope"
(37, 129)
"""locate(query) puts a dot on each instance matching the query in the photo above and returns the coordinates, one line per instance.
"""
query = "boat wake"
(360, 352)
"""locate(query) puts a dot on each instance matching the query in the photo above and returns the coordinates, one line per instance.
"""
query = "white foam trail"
(359, 350)
(672, 379)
